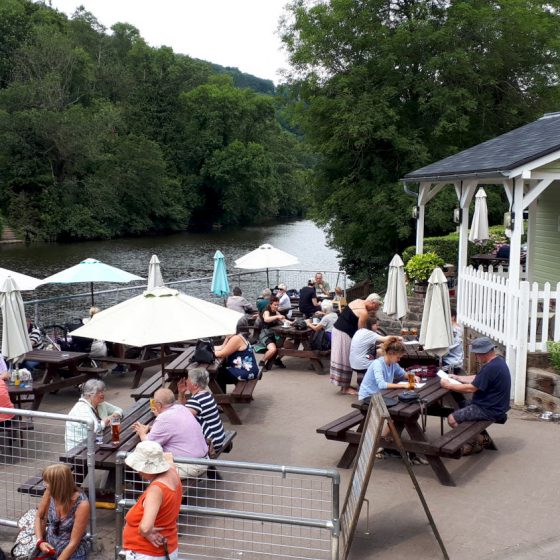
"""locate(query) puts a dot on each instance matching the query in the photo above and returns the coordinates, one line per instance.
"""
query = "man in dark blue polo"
(490, 387)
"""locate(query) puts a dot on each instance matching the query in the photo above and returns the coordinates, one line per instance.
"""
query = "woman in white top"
(285, 304)
(91, 405)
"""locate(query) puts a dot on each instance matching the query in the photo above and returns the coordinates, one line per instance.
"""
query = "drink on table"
(410, 380)
(152, 404)
(404, 331)
(115, 430)
(414, 331)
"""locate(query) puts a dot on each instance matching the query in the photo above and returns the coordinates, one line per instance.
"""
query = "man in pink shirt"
(177, 431)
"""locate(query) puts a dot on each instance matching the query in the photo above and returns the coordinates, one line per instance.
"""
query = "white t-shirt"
(328, 321)
(362, 341)
(284, 303)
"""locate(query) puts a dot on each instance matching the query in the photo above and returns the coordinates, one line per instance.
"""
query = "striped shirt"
(36, 339)
(209, 417)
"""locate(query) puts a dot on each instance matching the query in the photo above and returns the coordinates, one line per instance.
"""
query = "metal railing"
(62, 309)
(29, 442)
(248, 510)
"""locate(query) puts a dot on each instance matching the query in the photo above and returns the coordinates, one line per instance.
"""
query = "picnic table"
(417, 356)
(62, 370)
(408, 416)
(149, 356)
(297, 343)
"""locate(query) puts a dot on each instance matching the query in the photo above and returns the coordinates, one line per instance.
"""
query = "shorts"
(186, 470)
(471, 413)
(131, 555)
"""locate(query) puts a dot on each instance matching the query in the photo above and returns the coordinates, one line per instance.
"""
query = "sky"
(240, 33)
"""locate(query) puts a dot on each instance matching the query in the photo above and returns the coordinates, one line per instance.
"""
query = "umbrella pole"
(91, 285)
(162, 357)
(267, 280)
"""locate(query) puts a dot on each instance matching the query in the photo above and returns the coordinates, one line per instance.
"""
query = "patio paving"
(504, 505)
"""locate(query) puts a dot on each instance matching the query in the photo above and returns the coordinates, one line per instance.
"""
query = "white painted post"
(515, 245)
(521, 361)
(420, 229)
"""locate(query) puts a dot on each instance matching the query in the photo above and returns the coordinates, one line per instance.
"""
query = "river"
(182, 255)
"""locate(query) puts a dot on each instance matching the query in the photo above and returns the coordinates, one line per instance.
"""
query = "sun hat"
(482, 345)
(148, 458)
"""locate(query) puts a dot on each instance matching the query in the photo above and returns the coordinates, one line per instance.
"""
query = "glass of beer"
(414, 331)
(411, 380)
(404, 331)
(115, 430)
(152, 404)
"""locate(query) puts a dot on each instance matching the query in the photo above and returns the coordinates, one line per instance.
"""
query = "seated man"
(321, 286)
(177, 431)
(490, 387)
(308, 303)
(238, 303)
(37, 343)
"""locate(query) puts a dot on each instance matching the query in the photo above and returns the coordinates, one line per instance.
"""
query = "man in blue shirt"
(491, 387)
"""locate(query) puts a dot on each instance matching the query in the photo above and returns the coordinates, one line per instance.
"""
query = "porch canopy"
(525, 162)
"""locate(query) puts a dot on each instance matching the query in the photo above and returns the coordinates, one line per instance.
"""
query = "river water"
(182, 255)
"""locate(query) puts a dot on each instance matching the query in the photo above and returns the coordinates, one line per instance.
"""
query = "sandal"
(471, 448)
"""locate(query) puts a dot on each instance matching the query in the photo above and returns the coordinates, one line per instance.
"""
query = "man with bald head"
(177, 431)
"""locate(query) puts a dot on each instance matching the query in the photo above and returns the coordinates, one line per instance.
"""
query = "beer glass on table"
(411, 383)
(115, 430)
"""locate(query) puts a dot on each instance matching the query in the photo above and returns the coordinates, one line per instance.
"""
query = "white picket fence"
(488, 304)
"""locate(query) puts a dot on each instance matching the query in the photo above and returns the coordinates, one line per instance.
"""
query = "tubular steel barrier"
(247, 510)
(49, 311)
(29, 442)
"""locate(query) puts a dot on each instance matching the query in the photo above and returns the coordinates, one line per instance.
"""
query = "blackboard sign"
(376, 417)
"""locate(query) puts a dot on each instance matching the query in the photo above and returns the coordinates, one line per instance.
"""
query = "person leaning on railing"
(202, 405)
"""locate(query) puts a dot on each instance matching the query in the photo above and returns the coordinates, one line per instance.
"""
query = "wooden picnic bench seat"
(92, 371)
(34, 486)
(336, 430)
(243, 391)
(148, 388)
(450, 444)
(138, 365)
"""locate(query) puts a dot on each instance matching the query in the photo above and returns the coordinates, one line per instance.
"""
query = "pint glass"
(115, 430)
(410, 380)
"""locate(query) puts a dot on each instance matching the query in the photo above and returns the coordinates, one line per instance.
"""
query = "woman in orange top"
(5, 401)
(151, 524)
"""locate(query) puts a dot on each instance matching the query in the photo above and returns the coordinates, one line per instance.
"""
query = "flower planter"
(420, 288)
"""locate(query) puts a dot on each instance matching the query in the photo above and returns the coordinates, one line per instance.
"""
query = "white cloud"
(241, 33)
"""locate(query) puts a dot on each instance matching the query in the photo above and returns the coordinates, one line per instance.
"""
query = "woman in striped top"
(202, 405)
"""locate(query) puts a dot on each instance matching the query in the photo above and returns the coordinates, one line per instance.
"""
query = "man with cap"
(490, 387)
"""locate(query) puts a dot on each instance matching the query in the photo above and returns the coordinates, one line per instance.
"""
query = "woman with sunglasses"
(64, 512)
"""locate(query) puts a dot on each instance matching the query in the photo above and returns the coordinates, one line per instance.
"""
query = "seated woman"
(285, 306)
(383, 371)
(91, 405)
(240, 361)
(202, 405)
(270, 317)
(64, 513)
(325, 324)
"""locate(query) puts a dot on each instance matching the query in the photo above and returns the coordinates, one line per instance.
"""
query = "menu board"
(376, 417)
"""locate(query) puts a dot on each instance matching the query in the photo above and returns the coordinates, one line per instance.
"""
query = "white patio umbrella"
(160, 316)
(266, 256)
(23, 282)
(91, 270)
(15, 339)
(436, 333)
(396, 300)
(479, 225)
(155, 279)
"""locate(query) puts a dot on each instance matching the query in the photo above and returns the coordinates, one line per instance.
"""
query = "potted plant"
(420, 267)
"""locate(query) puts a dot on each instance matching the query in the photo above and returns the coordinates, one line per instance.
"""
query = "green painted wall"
(545, 244)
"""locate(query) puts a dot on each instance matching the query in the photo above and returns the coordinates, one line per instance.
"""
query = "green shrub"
(447, 246)
(554, 354)
(420, 267)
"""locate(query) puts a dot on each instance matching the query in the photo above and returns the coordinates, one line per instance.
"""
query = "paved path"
(505, 504)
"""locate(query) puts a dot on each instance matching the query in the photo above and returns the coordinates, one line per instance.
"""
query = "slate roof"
(497, 156)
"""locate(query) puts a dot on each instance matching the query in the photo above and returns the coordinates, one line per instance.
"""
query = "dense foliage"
(103, 136)
(384, 87)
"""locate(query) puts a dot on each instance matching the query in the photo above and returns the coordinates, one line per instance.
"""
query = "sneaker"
(278, 363)
(261, 363)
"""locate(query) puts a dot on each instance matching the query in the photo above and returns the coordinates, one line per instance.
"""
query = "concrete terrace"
(504, 505)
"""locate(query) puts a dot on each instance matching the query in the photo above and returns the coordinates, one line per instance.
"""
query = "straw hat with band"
(148, 458)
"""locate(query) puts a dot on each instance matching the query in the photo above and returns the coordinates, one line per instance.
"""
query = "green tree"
(382, 88)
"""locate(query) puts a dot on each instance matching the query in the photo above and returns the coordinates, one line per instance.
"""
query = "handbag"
(204, 352)
(25, 547)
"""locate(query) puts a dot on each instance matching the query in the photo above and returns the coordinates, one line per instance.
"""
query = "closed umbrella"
(436, 333)
(23, 282)
(266, 256)
(15, 339)
(396, 300)
(160, 316)
(91, 270)
(220, 284)
(479, 225)
(155, 279)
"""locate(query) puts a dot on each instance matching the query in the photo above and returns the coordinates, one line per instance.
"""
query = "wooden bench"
(33, 486)
(149, 387)
(314, 356)
(138, 365)
(243, 391)
(341, 430)
(93, 371)
(451, 444)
